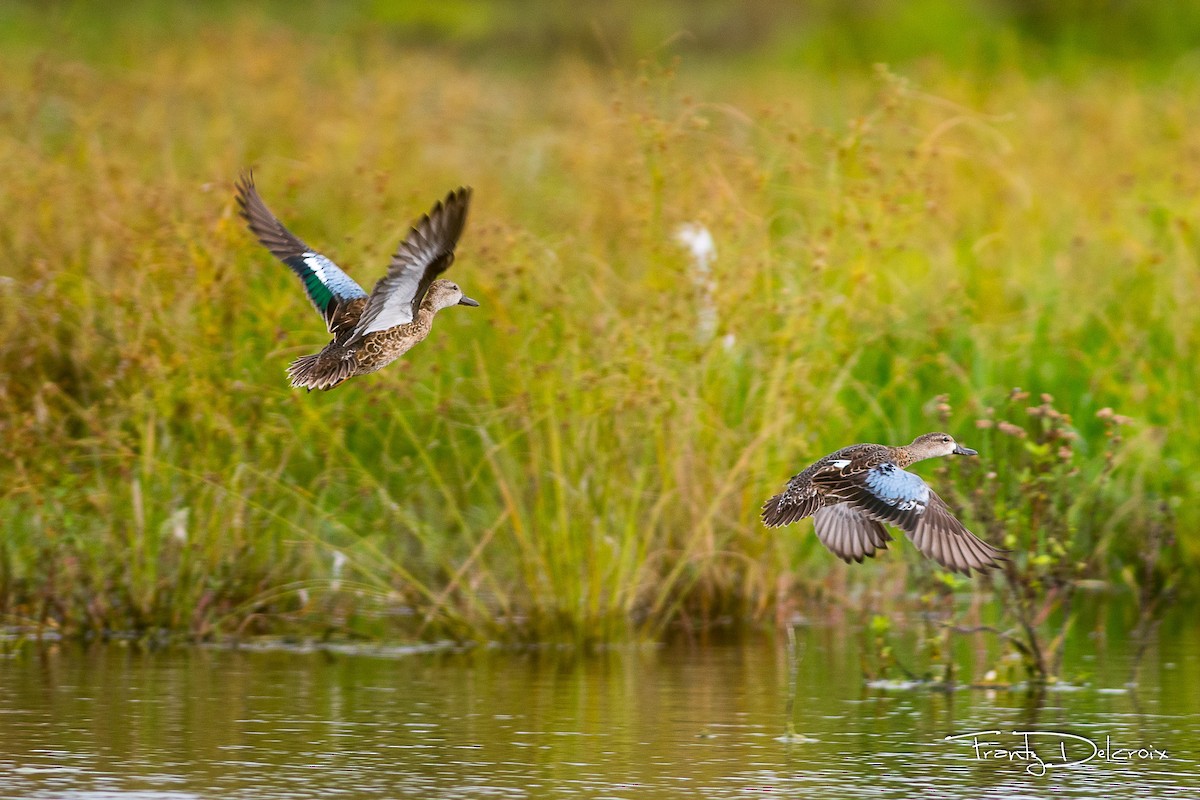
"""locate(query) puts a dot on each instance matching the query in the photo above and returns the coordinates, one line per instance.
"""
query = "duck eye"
(945, 438)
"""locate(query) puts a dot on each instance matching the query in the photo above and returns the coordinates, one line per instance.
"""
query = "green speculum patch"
(318, 291)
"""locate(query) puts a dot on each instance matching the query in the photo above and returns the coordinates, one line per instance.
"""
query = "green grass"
(571, 460)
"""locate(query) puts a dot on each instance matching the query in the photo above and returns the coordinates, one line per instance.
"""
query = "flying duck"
(850, 494)
(369, 331)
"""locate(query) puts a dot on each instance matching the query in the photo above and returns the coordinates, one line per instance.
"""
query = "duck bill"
(466, 301)
(959, 450)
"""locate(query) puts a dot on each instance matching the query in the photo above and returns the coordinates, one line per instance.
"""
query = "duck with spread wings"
(369, 331)
(852, 493)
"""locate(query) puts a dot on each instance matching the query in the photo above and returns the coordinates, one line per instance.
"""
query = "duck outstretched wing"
(330, 290)
(849, 533)
(425, 253)
(887, 493)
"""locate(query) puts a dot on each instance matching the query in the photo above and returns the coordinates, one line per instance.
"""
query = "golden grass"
(572, 459)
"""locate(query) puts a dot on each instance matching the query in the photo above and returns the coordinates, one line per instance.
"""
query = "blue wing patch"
(323, 280)
(901, 490)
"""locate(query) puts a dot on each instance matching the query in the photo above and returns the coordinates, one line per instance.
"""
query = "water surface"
(635, 722)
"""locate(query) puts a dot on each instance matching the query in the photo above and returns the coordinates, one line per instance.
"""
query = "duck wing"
(887, 493)
(940, 536)
(425, 253)
(849, 533)
(330, 290)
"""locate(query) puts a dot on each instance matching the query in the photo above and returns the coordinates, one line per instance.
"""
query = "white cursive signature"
(1058, 749)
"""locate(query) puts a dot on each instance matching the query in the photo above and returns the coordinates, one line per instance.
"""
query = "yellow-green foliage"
(574, 457)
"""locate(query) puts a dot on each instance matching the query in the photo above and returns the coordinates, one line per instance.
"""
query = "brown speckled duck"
(852, 492)
(369, 331)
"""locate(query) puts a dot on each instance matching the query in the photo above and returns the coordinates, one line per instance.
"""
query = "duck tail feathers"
(777, 511)
(322, 371)
(785, 508)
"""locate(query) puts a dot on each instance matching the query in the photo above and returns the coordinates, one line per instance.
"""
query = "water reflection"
(631, 722)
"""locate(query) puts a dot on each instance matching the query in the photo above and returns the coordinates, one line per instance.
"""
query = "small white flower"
(177, 525)
(696, 239)
(339, 561)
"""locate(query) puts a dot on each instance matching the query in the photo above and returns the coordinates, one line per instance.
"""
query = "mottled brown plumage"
(369, 332)
(346, 357)
(851, 494)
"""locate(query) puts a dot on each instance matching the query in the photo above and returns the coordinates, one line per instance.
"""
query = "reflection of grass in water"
(568, 461)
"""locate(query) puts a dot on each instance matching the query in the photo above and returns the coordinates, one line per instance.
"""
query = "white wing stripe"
(316, 264)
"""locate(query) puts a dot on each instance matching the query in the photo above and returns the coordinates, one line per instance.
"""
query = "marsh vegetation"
(897, 248)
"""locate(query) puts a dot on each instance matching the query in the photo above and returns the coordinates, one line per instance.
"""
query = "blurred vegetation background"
(977, 216)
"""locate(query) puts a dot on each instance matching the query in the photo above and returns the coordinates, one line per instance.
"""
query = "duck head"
(443, 294)
(934, 445)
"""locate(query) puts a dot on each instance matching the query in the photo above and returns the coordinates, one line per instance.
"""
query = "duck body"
(369, 331)
(852, 493)
(346, 357)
